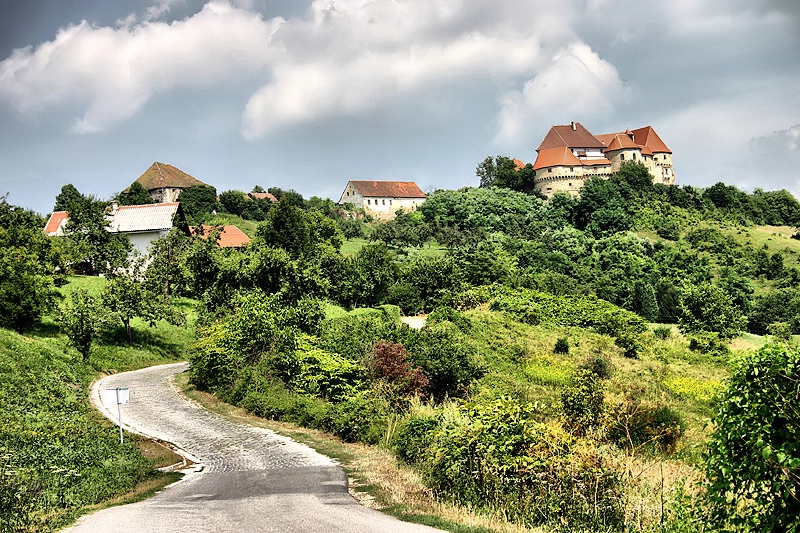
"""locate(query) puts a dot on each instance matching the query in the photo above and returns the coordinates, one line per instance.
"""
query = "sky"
(308, 94)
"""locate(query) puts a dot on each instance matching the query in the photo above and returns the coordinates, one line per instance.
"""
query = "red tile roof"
(556, 157)
(648, 137)
(55, 222)
(161, 175)
(618, 141)
(518, 164)
(229, 237)
(572, 135)
(264, 196)
(388, 189)
(563, 157)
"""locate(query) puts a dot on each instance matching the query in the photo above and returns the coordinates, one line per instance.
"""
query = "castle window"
(367, 201)
(383, 202)
(550, 169)
(570, 184)
(634, 156)
(572, 169)
(622, 157)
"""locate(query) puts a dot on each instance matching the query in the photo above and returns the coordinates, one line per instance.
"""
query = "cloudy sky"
(306, 94)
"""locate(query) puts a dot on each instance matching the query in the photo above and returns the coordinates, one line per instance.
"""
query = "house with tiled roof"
(263, 196)
(228, 236)
(569, 155)
(165, 182)
(55, 224)
(382, 199)
(143, 224)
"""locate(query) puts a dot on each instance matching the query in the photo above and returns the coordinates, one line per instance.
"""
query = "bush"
(780, 330)
(448, 314)
(496, 457)
(389, 363)
(708, 343)
(662, 332)
(753, 456)
(599, 365)
(582, 402)
(413, 437)
(562, 346)
(635, 423)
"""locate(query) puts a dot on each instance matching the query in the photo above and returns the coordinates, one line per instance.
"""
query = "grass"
(431, 249)
(59, 458)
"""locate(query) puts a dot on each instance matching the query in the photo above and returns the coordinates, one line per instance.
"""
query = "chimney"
(114, 206)
(573, 125)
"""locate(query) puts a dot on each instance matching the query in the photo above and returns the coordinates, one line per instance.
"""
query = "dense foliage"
(753, 462)
(28, 267)
(504, 399)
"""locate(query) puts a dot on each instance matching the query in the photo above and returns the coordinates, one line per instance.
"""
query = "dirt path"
(245, 478)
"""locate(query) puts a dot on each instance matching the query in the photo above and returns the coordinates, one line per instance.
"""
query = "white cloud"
(114, 72)
(351, 57)
(576, 84)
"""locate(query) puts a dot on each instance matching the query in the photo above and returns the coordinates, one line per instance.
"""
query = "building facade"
(382, 199)
(569, 155)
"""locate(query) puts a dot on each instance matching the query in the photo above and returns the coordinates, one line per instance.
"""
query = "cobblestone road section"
(245, 478)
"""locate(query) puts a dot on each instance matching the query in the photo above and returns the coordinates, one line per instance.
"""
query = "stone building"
(165, 182)
(569, 155)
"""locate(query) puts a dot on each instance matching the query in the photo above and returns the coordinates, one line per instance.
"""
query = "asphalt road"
(244, 478)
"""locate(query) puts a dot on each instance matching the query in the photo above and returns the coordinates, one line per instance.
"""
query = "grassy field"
(58, 457)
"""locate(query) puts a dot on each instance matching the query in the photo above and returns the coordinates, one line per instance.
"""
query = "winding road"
(244, 478)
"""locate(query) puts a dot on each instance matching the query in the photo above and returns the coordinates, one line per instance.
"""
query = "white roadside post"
(119, 395)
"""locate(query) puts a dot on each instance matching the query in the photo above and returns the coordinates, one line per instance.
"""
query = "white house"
(382, 199)
(143, 224)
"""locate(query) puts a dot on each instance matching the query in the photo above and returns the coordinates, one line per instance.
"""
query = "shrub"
(780, 330)
(708, 343)
(389, 363)
(495, 456)
(448, 314)
(582, 402)
(562, 346)
(662, 332)
(635, 422)
(413, 437)
(446, 357)
(753, 456)
(599, 365)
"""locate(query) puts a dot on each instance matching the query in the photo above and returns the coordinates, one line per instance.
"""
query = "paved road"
(245, 478)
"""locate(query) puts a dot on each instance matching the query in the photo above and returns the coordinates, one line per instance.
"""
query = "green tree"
(291, 196)
(90, 241)
(706, 307)
(82, 318)
(198, 203)
(135, 195)
(301, 233)
(505, 172)
(167, 272)
(127, 298)
(753, 456)
(645, 302)
(28, 265)
(65, 198)
(364, 279)
(602, 209)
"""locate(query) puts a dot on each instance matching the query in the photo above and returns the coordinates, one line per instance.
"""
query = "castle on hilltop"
(570, 155)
